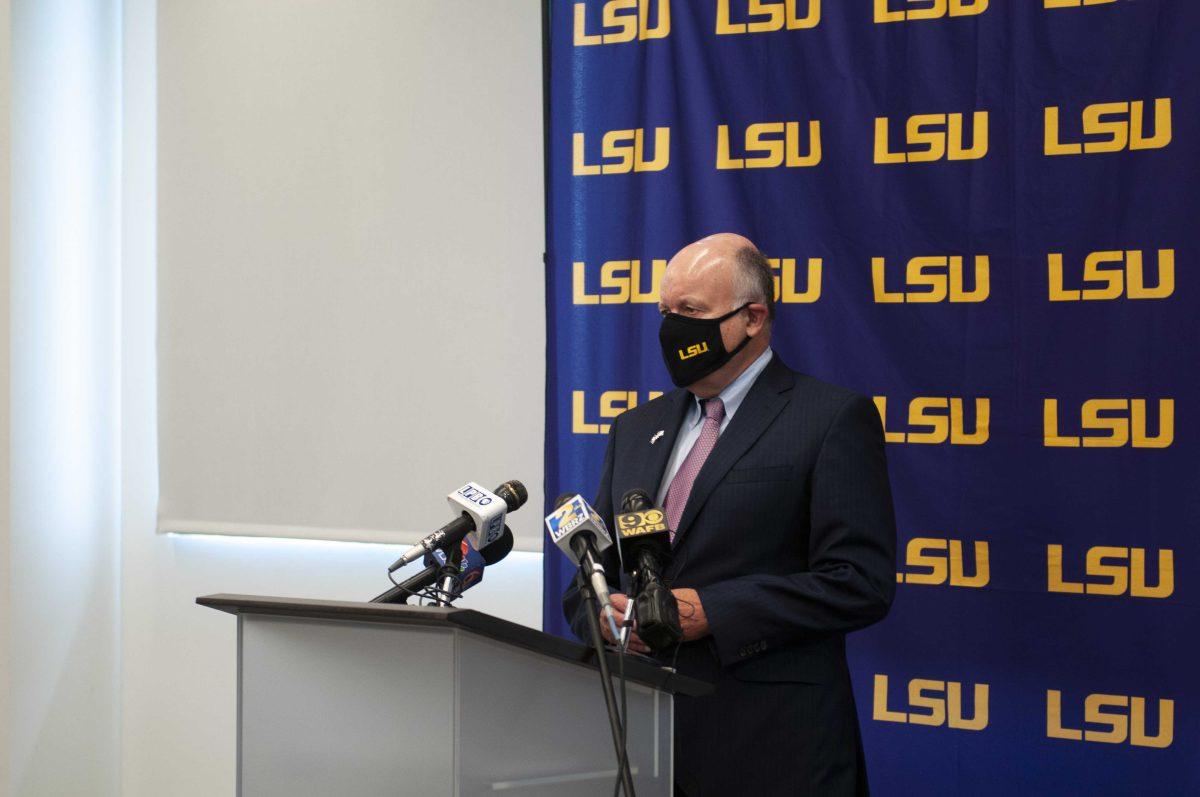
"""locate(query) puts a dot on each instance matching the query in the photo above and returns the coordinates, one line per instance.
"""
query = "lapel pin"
(657, 435)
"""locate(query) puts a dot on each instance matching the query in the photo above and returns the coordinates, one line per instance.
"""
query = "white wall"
(5, 85)
(111, 679)
(64, 659)
(178, 669)
(349, 259)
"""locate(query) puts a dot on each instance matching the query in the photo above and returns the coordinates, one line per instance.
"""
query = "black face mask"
(692, 347)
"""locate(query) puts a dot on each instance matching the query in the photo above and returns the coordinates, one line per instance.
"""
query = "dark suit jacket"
(789, 539)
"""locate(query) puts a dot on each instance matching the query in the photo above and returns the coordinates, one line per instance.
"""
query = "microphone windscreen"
(562, 499)
(636, 500)
(499, 549)
(514, 494)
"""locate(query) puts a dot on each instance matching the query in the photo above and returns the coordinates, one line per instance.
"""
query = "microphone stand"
(610, 698)
(449, 574)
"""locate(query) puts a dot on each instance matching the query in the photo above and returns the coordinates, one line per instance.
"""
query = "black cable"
(438, 596)
(624, 706)
(404, 591)
(432, 592)
(624, 703)
(610, 700)
(631, 615)
(669, 584)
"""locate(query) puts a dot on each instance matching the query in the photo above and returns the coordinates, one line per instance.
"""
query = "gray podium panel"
(346, 700)
(530, 725)
(329, 708)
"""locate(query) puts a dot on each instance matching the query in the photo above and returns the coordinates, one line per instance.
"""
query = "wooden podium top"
(638, 669)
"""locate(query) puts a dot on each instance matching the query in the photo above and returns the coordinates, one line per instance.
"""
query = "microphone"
(470, 570)
(579, 532)
(456, 564)
(645, 544)
(481, 516)
(461, 572)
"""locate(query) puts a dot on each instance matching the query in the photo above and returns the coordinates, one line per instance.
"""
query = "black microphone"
(645, 543)
(499, 549)
(482, 516)
(462, 567)
(426, 578)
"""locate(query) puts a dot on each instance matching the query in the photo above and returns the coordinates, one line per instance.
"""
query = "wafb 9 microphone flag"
(984, 215)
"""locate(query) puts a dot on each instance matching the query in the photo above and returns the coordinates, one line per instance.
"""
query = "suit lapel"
(768, 395)
(655, 447)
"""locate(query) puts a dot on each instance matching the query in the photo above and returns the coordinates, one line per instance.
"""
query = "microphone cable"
(622, 646)
(615, 721)
(408, 592)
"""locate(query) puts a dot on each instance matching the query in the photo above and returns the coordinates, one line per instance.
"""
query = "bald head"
(712, 278)
(707, 254)
(727, 268)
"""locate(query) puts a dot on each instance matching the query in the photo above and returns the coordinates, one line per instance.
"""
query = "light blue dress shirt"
(689, 432)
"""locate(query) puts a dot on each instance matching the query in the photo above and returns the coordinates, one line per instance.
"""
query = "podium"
(347, 699)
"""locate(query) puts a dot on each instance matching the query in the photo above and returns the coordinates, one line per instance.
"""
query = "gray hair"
(753, 281)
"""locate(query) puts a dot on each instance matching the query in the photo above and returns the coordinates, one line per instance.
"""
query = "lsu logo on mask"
(611, 404)
(624, 21)
(901, 10)
(934, 703)
(1120, 718)
(945, 562)
(1113, 274)
(695, 350)
(784, 277)
(1114, 423)
(768, 145)
(1075, 3)
(940, 135)
(764, 16)
(621, 282)
(940, 277)
(1112, 571)
(943, 419)
(623, 151)
(1112, 127)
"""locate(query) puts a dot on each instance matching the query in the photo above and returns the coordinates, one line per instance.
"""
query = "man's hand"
(691, 618)
(619, 602)
(691, 614)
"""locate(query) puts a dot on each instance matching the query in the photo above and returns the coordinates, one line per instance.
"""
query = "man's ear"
(758, 319)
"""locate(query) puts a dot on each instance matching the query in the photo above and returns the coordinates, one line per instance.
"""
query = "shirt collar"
(734, 393)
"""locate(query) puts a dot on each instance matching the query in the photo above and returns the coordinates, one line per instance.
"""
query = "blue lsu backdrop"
(983, 214)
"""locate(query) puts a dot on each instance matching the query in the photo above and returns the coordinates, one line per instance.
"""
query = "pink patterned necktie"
(681, 485)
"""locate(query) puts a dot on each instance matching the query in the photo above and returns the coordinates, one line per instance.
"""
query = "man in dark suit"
(775, 486)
